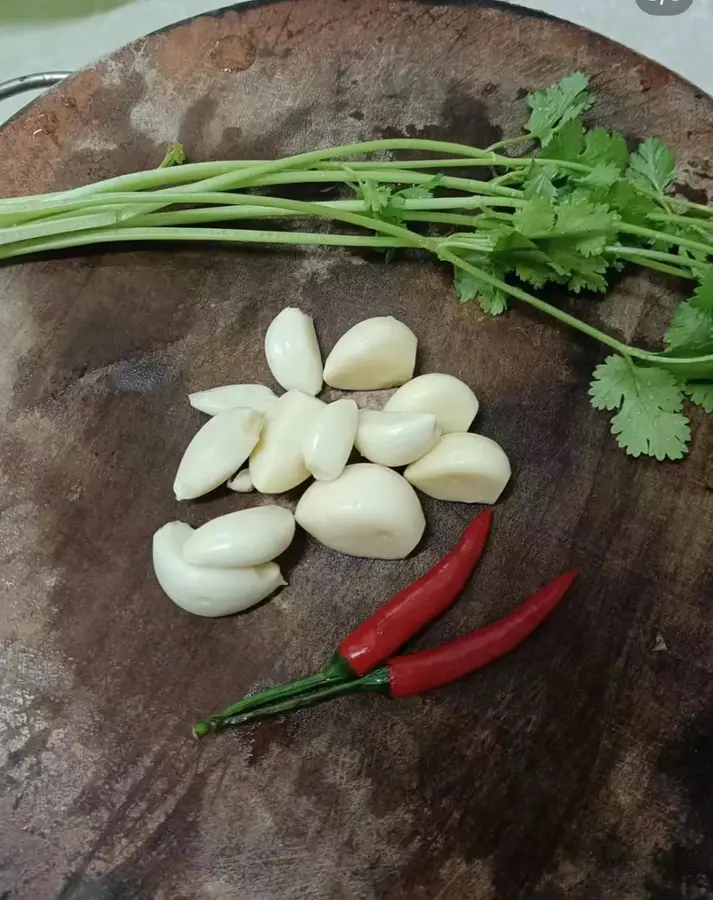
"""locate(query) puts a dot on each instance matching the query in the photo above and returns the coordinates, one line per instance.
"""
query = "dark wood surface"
(578, 768)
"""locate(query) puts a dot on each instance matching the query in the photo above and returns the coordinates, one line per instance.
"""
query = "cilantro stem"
(679, 201)
(45, 226)
(119, 202)
(510, 142)
(682, 220)
(681, 366)
(649, 233)
(535, 302)
(665, 262)
(389, 176)
(204, 235)
(441, 218)
(223, 214)
(250, 175)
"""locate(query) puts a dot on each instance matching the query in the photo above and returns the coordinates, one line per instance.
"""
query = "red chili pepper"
(410, 610)
(417, 673)
(391, 626)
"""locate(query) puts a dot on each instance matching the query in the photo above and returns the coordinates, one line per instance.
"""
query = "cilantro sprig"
(572, 211)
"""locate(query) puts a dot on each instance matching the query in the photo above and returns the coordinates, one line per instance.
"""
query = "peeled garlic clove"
(329, 441)
(452, 402)
(293, 353)
(374, 354)
(368, 511)
(248, 537)
(232, 396)
(465, 468)
(276, 463)
(206, 591)
(395, 438)
(219, 449)
(242, 483)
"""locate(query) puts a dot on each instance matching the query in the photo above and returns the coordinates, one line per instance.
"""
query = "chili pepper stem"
(376, 682)
(336, 671)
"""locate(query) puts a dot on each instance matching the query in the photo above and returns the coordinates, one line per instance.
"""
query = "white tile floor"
(681, 43)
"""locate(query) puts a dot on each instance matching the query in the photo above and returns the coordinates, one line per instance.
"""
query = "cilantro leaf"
(388, 205)
(376, 196)
(468, 287)
(605, 148)
(593, 223)
(700, 393)
(423, 191)
(575, 216)
(649, 402)
(568, 144)
(691, 329)
(603, 176)
(175, 156)
(631, 206)
(554, 107)
(536, 218)
(513, 252)
(570, 238)
(589, 275)
(653, 166)
(541, 182)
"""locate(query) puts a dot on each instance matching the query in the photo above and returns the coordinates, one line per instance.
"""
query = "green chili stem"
(377, 681)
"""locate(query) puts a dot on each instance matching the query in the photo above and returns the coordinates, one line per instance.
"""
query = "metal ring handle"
(30, 83)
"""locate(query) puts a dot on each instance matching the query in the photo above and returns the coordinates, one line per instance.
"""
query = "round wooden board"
(581, 766)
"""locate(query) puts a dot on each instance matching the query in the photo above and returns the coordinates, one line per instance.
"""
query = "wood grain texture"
(580, 767)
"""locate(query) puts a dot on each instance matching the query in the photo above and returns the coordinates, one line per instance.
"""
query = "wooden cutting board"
(580, 767)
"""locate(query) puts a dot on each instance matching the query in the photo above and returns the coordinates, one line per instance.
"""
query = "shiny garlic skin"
(231, 396)
(329, 441)
(248, 537)
(292, 352)
(374, 354)
(369, 511)
(206, 591)
(395, 438)
(449, 399)
(218, 450)
(462, 468)
(276, 463)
